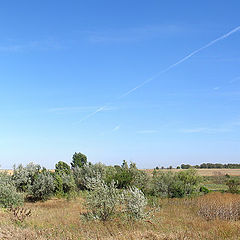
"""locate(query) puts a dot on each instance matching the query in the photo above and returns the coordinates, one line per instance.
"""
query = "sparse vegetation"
(118, 202)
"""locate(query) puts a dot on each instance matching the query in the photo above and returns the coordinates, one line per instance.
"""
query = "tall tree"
(78, 160)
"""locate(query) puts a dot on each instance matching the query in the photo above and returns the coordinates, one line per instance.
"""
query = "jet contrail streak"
(93, 113)
(168, 68)
(181, 61)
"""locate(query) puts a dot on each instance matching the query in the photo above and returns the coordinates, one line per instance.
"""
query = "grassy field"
(175, 219)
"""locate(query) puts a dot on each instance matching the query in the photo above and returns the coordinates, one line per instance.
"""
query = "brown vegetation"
(204, 172)
(177, 219)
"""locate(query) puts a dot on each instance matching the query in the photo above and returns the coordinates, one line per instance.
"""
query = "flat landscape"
(120, 120)
(175, 219)
(203, 172)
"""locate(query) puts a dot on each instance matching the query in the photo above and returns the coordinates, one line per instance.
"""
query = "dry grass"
(219, 206)
(204, 172)
(177, 219)
(201, 172)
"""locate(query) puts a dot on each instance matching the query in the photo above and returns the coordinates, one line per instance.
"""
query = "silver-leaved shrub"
(87, 171)
(102, 199)
(43, 186)
(135, 203)
(9, 197)
(105, 199)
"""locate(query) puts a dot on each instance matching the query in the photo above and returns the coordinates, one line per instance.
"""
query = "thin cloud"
(78, 109)
(14, 46)
(147, 131)
(235, 79)
(181, 61)
(171, 67)
(116, 128)
(131, 34)
(205, 130)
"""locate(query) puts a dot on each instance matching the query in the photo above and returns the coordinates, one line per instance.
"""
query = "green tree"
(62, 167)
(78, 160)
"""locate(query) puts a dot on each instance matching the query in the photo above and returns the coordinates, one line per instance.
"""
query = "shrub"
(64, 180)
(135, 203)
(78, 160)
(62, 167)
(86, 172)
(125, 176)
(23, 177)
(43, 186)
(102, 199)
(179, 184)
(9, 197)
(204, 190)
(233, 185)
(162, 183)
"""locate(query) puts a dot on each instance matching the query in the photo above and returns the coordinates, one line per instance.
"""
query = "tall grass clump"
(225, 206)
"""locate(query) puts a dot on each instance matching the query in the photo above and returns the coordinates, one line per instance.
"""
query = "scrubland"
(95, 201)
(212, 216)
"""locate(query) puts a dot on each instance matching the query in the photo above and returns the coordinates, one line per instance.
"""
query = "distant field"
(201, 172)
(204, 172)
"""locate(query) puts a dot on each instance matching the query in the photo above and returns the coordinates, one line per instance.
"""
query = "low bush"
(43, 186)
(9, 197)
(23, 177)
(233, 185)
(180, 184)
(87, 171)
(102, 199)
(135, 203)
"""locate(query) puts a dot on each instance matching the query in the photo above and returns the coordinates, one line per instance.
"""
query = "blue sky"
(66, 67)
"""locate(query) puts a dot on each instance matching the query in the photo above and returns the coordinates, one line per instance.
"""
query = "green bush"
(233, 185)
(88, 171)
(9, 197)
(43, 186)
(23, 177)
(127, 176)
(78, 160)
(101, 200)
(64, 183)
(104, 199)
(62, 167)
(180, 184)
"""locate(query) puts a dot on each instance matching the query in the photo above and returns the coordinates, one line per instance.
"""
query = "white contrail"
(181, 61)
(169, 68)
(93, 113)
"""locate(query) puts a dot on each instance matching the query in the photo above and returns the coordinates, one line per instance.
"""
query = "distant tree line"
(212, 165)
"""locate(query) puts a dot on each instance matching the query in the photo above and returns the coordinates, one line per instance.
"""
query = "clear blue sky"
(61, 61)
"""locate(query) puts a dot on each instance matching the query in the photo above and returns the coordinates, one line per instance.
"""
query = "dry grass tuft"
(219, 206)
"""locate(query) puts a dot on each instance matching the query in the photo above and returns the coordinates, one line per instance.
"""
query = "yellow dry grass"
(201, 172)
(177, 219)
(204, 172)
